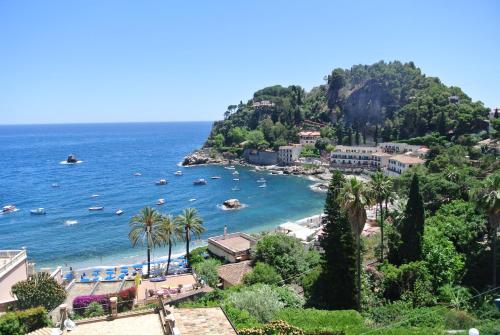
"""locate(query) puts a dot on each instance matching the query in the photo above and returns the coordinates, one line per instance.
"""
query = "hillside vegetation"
(364, 104)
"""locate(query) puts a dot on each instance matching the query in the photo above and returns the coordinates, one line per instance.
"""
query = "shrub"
(126, 299)
(207, 270)
(39, 290)
(80, 303)
(289, 297)
(457, 319)
(273, 328)
(240, 318)
(261, 301)
(197, 255)
(405, 315)
(94, 309)
(21, 322)
(264, 274)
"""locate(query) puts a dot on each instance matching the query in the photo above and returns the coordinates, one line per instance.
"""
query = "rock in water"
(71, 159)
(195, 159)
(232, 203)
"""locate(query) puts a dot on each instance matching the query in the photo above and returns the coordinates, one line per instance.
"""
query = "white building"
(309, 137)
(400, 163)
(288, 154)
(13, 269)
(398, 148)
(353, 156)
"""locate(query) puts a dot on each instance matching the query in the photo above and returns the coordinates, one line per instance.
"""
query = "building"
(233, 247)
(232, 274)
(300, 232)
(353, 156)
(13, 269)
(400, 163)
(398, 148)
(288, 154)
(309, 137)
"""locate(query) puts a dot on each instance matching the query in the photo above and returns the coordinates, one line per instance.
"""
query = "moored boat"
(119, 212)
(215, 177)
(262, 185)
(261, 180)
(200, 181)
(9, 209)
(137, 174)
(160, 202)
(236, 179)
(161, 182)
(178, 173)
(236, 172)
(96, 208)
(37, 211)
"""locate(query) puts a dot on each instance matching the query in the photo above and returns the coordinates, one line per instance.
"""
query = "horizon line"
(98, 123)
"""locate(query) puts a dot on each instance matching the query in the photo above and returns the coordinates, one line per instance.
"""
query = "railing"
(13, 256)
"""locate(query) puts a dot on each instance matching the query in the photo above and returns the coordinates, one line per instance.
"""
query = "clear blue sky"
(108, 61)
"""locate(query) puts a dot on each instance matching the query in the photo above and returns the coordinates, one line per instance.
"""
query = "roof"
(298, 231)
(235, 243)
(381, 154)
(309, 133)
(407, 159)
(233, 273)
(206, 321)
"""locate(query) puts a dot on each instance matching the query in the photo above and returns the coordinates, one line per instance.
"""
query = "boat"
(200, 181)
(9, 209)
(94, 196)
(70, 222)
(160, 202)
(236, 172)
(96, 208)
(192, 199)
(178, 173)
(71, 159)
(261, 180)
(38, 211)
(161, 182)
(119, 212)
(55, 185)
(137, 174)
(236, 179)
(230, 167)
(262, 185)
(215, 177)
(235, 188)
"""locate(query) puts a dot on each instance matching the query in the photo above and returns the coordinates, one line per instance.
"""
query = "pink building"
(13, 269)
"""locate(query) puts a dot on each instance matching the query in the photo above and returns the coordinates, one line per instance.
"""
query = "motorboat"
(96, 208)
(236, 172)
(192, 199)
(55, 185)
(38, 211)
(215, 177)
(230, 167)
(94, 196)
(160, 202)
(119, 212)
(200, 181)
(262, 185)
(235, 188)
(9, 209)
(236, 179)
(161, 182)
(261, 180)
(137, 174)
(178, 173)
(71, 159)
(70, 222)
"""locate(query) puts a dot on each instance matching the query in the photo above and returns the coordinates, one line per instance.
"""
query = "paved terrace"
(149, 324)
(206, 321)
(235, 242)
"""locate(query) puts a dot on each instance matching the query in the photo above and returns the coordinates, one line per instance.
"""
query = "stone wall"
(261, 157)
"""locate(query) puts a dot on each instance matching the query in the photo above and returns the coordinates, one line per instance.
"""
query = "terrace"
(233, 247)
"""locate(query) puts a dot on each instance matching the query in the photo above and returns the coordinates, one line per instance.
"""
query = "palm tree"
(191, 224)
(170, 232)
(144, 229)
(487, 199)
(380, 188)
(354, 199)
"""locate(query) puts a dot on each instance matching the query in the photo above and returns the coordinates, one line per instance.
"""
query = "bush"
(81, 303)
(289, 297)
(240, 318)
(21, 322)
(197, 255)
(94, 309)
(207, 270)
(39, 290)
(261, 301)
(457, 319)
(405, 315)
(273, 328)
(126, 299)
(264, 274)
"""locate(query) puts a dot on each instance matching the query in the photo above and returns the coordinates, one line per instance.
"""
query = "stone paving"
(206, 321)
(141, 324)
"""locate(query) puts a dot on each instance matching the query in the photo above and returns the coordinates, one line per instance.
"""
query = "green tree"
(285, 253)
(354, 199)
(264, 274)
(322, 143)
(207, 270)
(412, 227)
(144, 230)
(380, 187)
(337, 283)
(192, 225)
(38, 290)
(170, 231)
(256, 140)
(487, 198)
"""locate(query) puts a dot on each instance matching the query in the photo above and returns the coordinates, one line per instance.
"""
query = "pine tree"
(412, 227)
(339, 270)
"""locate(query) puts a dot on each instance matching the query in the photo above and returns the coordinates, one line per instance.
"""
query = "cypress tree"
(338, 289)
(412, 227)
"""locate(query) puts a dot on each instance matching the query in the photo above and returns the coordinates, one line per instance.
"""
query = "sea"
(33, 174)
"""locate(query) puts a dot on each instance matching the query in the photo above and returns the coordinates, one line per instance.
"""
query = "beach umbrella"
(110, 272)
(137, 266)
(124, 271)
(124, 267)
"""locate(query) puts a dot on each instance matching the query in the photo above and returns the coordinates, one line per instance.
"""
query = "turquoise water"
(30, 162)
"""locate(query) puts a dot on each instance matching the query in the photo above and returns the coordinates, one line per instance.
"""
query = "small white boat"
(70, 222)
(236, 172)
(161, 182)
(192, 199)
(178, 173)
(137, 174)
(230, 167)
(261, 180)
(38, 211)
(236, 179)
(160, 202)
(119, 212)
(215, 177)
(94, 196)
(236, 188)
(263, 185)
(96, 208)
(200, 181)
(9, 209)
(55, 185)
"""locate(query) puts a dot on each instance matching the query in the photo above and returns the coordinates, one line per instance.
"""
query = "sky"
(140, 61)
